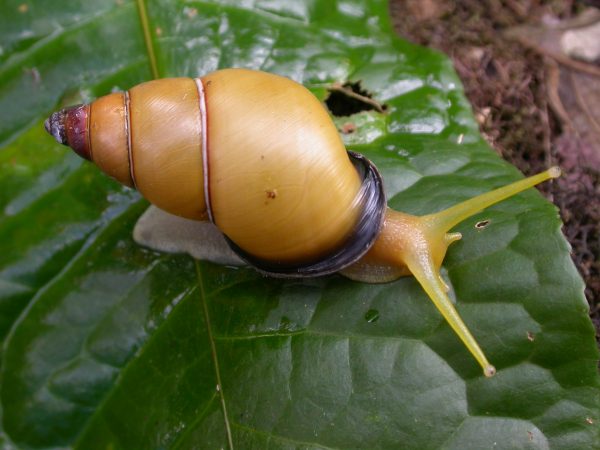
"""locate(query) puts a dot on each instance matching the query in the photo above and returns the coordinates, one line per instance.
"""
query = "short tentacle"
(422, 267)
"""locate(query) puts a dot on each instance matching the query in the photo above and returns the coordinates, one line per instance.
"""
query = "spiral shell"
(255, 153)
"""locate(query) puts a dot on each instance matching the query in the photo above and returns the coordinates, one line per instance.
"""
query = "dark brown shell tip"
(55, 126)
(69, 127)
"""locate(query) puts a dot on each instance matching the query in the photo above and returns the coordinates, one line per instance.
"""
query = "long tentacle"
(448, 218)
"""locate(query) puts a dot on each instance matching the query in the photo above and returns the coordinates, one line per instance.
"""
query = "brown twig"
(562, 59)
(553, 81)
(337, 87)
(546, 137)
(583, 104)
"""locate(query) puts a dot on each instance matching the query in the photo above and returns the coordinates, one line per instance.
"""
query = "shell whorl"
(370, 200)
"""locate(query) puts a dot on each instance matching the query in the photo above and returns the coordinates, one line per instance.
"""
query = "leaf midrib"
(143, 16)
(213, 351)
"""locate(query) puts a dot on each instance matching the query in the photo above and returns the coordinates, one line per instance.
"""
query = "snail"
(258, 156)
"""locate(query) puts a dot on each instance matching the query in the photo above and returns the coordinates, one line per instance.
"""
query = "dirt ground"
(536, 105)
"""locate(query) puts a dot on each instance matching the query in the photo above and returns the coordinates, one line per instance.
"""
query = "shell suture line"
(204, 143)
(128, 135)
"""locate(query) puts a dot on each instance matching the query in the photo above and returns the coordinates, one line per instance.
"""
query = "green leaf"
(108, 345)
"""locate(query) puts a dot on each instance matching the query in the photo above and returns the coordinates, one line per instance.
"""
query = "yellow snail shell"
(258, 155)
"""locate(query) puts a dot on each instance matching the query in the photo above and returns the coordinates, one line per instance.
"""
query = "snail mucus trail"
(258, 156)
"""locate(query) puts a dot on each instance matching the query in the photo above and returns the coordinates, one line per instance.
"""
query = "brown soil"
(528, 103)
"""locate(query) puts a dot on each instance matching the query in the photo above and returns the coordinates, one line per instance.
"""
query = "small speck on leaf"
(482, 224)
(348, 128)
(372, 315)
(190, 12)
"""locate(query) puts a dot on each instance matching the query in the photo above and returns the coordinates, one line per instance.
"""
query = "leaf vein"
(215, 358)
(261, 12)
(126, 367)
(143, 16)
(280, 438)
(20, 58)
(181, 438)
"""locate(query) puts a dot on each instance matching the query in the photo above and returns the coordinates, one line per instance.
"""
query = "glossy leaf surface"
(108, 345)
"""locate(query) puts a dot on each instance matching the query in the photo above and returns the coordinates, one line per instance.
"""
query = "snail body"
(258, 155)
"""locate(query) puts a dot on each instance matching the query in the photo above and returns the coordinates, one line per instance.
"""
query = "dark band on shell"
(371, 199)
